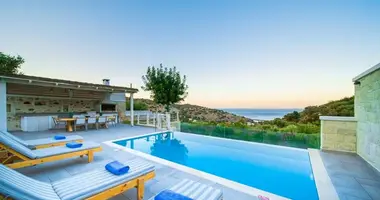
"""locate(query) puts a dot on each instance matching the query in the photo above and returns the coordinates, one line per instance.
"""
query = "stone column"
(3, 106)
(131, 106)
(121, 107)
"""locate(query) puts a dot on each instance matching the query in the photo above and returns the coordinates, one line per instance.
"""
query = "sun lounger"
(44, 142)
(95, 184)
(20, 156)
(196, 190)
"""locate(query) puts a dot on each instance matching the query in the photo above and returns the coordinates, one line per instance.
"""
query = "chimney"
(106, 81)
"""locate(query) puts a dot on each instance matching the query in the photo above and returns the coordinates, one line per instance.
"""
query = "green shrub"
(300, 140)
(290, 129)
(136, 105)
(308, 128)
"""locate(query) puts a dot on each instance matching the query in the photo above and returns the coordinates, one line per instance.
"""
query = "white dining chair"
(102, 121)
(91, 121)
(81, 122)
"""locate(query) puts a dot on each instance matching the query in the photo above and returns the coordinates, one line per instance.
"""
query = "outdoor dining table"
(69, 123)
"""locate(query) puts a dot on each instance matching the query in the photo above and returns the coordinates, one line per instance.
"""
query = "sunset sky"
(236, 54)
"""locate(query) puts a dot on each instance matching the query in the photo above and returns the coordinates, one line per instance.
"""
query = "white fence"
(161, 121)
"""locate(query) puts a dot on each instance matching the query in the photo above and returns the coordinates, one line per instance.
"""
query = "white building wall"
(367, 111)
(3, 106)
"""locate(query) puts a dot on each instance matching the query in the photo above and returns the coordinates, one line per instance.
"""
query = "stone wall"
(338, 133)
(43, 105)
(120, 107)
(367, 111)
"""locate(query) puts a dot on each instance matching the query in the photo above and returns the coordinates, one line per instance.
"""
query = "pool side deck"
(352, 177)
(165, 176)
(349, 174)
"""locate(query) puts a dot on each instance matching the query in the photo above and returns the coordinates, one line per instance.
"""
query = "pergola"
(33, 86)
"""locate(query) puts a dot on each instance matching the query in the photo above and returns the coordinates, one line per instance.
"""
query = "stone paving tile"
(345, 181)
(373, 192)
(229, 193)
(40, 177)
(334, 158)
(164, 171)
(183, 175)
(342, 196)
(132, 194)
(351, 175)
(346, 197)
(58, 175)
(369, 182)
(355, 192)
(119, 197)
(162, 184)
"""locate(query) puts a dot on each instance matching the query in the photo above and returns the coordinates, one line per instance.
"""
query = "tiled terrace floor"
(350, 174)
(165, 176)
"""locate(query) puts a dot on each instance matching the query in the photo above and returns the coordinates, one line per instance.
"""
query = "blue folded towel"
(74, 145)
(59, 137)
(170, 195)
(117, 168)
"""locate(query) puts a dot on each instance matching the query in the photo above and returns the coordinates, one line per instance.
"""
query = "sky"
(235, 54)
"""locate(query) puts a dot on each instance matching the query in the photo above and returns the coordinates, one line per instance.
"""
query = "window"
(9, 108)
(108, 107)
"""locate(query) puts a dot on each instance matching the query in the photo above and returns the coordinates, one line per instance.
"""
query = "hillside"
(342, 107)
(190, 112)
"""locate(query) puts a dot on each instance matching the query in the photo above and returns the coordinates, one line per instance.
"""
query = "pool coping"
(213, 137)
(325, 187)
(225, 182)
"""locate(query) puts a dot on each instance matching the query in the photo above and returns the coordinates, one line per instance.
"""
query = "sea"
(260, 114)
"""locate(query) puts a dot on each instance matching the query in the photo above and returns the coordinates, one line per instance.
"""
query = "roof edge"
(366, 72)
(35, 80)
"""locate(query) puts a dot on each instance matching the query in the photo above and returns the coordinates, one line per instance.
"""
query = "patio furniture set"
(100, 183)
(71, 123)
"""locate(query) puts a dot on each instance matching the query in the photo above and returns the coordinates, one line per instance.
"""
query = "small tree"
(166, 86)
(292, 117)
(10, 64)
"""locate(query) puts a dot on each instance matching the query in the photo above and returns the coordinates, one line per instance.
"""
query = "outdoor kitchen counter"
(44, 121)
(63, 114)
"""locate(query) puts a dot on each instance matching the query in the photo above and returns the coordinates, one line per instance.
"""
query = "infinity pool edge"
(222, 181)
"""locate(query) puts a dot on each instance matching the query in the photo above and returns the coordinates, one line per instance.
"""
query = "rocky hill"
(310, 114)
(342, 107)
(190, 112)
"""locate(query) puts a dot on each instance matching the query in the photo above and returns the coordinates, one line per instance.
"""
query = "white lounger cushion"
(19, 186)
(196, 190)
(52, 151)
(42, 153)
(52, 140)
(17, 146)
(14, 138)
(93, 182)
(32, 143)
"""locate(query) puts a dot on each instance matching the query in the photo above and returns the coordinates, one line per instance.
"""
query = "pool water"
(279, 170)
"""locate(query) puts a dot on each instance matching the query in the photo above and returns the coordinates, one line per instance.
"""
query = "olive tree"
(166, 86)
(10, 64)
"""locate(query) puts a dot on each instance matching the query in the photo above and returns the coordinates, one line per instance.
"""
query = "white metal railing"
(161, 121)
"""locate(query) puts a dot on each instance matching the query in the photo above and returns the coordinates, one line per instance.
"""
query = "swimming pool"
(279, 170)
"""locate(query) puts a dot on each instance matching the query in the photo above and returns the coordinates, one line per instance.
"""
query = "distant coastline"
(260, 114)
